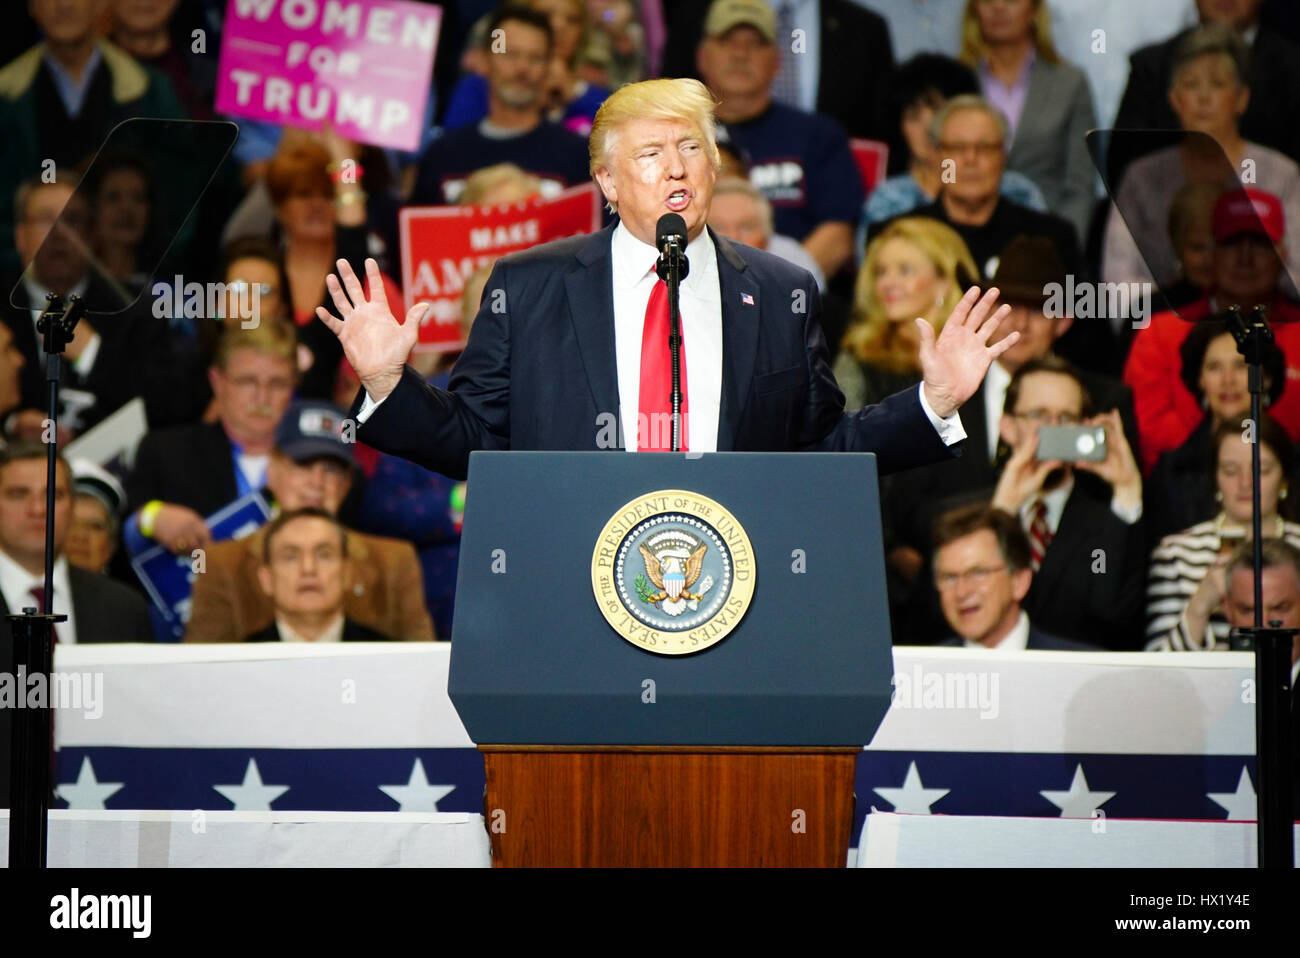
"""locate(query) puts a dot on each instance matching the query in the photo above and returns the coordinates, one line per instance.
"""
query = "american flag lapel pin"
(747, 299)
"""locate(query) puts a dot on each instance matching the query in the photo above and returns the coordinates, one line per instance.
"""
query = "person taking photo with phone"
(1080, 503)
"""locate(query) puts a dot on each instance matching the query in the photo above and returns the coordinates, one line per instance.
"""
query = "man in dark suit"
(1274, 80)
(982, 571)
(1084, 518)
(854, 62)
(112, 358)
(305, 574)
(186, 473)
(571, 336)
(98, 608)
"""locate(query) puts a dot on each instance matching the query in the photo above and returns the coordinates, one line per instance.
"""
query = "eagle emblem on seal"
(673, 560)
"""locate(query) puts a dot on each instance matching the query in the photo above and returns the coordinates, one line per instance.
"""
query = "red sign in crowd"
(442, 246)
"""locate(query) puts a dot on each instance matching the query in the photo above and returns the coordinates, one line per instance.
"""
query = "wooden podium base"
(668, 806)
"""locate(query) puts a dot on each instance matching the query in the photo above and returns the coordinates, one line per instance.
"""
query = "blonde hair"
(482, 183)
(269, 338)
(683, 100)
(871, 337)
(973, 48)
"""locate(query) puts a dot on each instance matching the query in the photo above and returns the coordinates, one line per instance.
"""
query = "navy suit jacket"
(539, 369)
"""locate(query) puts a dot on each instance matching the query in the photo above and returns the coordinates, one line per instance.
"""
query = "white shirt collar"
(333, 634)
(996, 382)
(1017, 640)
(634, 260)
(16, 583)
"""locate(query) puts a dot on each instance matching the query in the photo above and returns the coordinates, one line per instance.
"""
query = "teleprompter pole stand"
(1274, 761)
(30, 771)
(672, 269)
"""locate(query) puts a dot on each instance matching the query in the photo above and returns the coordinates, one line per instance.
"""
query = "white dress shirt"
(700, 299)
(1017, 640)
(16, 583)
(333, 634)
(996, 382)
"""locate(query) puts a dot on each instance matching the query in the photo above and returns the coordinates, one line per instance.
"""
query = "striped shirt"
(1178, 566)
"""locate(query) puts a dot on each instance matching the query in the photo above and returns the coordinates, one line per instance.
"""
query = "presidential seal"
(673, 572)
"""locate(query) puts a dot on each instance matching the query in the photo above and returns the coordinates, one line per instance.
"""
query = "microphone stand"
(672, 269)
(1274, 762)
(31, 757)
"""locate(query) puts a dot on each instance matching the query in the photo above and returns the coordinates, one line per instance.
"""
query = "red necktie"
(657, 377)
(38, 592)
(1040, 536)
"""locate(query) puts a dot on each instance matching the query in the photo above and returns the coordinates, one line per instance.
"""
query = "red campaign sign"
(442, 246)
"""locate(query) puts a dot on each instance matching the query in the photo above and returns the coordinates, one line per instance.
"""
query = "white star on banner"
(1241, 803)
(1079, 801)
(87, 792)
(913, 798)
(417, 795)
(251, 795)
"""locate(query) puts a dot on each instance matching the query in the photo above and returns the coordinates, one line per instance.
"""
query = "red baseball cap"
(1248, 211)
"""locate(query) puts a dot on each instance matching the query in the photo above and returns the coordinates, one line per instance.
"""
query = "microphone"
(670, 240)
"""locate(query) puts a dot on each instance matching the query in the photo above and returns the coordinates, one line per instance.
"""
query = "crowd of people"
(984, 108)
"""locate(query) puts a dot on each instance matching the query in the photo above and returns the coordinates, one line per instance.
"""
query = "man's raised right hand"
(373, 341)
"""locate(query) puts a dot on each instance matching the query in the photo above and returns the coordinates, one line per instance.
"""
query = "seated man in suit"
(1084, 519)
(1280, 590)
(98, 608)
(982, 572)
(311, 467)
(305, 574)
(183, 474)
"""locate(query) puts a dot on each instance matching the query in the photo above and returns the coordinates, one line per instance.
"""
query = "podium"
(627, 715)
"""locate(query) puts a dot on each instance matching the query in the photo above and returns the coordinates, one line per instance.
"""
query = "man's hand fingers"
(991, 324)
(351, 284)
(377, 292)
(341, 302)
(416, 313)
(332, 322)
(1002, 345)
(982, 308)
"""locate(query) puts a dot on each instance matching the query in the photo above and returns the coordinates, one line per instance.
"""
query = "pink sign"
(361, 65)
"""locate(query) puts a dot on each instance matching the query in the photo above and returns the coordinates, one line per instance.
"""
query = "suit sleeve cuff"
(368, 406)
(950, 430)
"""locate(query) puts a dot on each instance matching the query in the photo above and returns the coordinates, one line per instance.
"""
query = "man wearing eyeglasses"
(186, 473)
(1083, 518)
(982, 573)
(970, 137)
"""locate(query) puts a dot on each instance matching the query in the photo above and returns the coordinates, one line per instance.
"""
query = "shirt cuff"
(950, 430)
(1127, 514)
(86, 361)
(368, 406)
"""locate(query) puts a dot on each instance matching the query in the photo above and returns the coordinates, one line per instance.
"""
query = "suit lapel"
(740, 321)
(1062, 549)
(591, 301)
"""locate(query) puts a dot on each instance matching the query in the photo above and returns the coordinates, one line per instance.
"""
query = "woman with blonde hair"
(916, 267)
(1047, 102)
